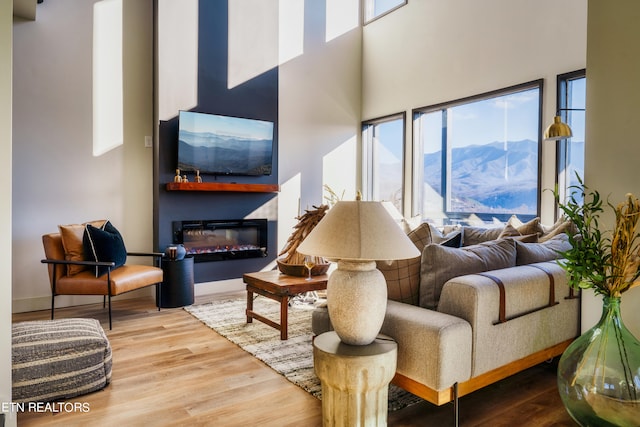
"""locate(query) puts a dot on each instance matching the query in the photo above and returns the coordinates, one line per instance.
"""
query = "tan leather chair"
(116, 281)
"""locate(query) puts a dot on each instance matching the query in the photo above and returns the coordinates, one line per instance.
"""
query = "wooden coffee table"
(280, 287)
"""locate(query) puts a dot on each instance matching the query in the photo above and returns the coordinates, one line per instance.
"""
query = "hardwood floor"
(171, 370)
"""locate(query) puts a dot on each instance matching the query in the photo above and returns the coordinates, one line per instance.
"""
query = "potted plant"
(599, 373)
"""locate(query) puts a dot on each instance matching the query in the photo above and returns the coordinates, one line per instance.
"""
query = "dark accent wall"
(257, 99)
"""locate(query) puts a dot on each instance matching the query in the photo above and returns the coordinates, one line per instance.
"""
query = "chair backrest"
(53, 249)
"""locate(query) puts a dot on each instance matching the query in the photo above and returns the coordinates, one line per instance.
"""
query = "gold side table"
(355, 379)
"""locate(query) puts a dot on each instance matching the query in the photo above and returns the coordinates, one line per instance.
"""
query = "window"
(479, 157)
(383, 141)
(572, 89)
(373, 9)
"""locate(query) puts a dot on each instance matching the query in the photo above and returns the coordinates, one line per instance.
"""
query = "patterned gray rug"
(292, 358)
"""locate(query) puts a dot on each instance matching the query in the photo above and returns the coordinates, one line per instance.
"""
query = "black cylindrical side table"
(177, 286)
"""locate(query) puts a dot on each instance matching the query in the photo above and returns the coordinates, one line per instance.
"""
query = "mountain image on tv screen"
(224, 145)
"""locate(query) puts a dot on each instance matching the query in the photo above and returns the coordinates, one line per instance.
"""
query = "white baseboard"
(24, 305)
(217, 287)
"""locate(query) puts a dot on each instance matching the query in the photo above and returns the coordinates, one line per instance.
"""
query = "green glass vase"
(599, 373)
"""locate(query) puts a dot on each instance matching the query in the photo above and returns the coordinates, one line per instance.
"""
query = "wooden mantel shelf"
(223, 186)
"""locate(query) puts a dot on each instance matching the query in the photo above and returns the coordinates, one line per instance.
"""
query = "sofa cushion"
(475, 235)
(509, 231)
(104, 244)
(72, 235)
(441, 263)
(562, 225)
(446, 234)
(403, 275)
(530, 227)
(529, 253)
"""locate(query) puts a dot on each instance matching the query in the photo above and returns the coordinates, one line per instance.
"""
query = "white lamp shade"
(358, 230)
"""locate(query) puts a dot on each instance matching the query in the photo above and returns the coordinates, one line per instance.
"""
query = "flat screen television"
(224, 145)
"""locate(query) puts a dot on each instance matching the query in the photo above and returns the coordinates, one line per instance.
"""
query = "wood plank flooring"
(171, 370)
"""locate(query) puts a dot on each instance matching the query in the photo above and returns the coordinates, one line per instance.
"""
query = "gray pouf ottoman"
(59, 359)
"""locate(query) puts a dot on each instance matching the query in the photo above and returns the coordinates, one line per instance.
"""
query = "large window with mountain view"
(572, 90)
(383, 150)
(478, 157)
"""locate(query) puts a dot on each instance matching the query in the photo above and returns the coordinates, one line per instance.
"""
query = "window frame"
(366, 21)
(418, 151)
(562, 100)
(368, 154)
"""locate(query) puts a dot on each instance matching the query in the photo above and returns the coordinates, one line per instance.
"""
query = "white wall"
(57, 180)
(6, 13)
(613, 106)
(319, 112)
(433, 51)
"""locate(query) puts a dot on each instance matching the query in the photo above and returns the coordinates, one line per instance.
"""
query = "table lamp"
(356, 234)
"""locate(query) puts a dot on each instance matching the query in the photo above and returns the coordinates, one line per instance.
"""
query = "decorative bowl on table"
(300, 270)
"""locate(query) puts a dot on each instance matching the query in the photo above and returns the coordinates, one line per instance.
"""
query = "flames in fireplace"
(216, 240)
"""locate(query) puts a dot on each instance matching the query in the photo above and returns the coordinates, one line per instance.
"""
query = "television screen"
(224, 145)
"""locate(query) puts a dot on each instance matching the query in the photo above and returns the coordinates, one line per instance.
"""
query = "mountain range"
(492, 178)
(222, 154)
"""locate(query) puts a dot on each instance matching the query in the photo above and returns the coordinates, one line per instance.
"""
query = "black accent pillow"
(454, 240)
(104, 244)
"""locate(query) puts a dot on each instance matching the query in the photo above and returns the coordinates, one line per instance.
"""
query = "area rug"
(293, 358)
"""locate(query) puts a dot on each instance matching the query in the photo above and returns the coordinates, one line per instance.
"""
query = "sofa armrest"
(433, 348)
(476, 299)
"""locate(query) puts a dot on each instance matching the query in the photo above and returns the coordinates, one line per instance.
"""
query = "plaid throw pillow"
(403, 276)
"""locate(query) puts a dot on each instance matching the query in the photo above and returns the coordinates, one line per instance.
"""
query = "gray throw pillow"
(529, 253)
(475, 235)
(441, 263)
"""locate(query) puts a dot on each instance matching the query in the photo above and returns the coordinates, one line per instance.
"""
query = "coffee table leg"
(284, 310)
(249, 305)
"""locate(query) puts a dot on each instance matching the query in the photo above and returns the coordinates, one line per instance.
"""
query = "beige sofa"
(478, 313)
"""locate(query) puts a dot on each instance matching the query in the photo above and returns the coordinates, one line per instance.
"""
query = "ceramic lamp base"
(357, 301)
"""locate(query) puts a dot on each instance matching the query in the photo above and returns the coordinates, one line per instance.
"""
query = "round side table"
(177, 285)
(355, 379)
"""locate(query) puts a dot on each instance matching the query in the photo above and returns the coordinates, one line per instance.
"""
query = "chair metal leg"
(104, 301)
(159, 294)
(110, 325)
(53, 289)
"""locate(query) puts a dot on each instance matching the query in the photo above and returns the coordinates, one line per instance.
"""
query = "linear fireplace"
(219, 240)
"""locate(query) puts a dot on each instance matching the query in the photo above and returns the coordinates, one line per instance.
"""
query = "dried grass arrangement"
(292, 262)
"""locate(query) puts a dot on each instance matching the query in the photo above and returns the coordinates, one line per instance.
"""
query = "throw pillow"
(475, 235)
(441, 263)
(447, 233)
(71, 235)
(454, 240)
(403, 279)
(549, 250)
(104, 244)
(403, 276)
(509, 231)
(421, 236)
(528, 238)
(560, 226)
(531, 227)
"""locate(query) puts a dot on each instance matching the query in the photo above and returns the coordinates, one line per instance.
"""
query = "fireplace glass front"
(219, 240)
